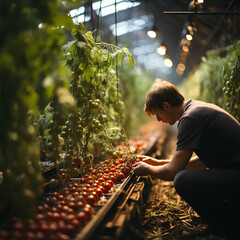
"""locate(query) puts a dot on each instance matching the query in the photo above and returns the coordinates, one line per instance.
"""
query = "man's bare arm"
(154, 161)
(196, 164)
(166, 171)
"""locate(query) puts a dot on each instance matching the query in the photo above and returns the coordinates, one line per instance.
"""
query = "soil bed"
(167, 216)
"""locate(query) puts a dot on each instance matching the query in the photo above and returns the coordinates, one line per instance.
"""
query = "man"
(210, 181)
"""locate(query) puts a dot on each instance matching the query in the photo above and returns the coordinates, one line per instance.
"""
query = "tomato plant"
(231, 80)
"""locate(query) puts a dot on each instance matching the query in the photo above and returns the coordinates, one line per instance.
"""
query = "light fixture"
(189, 37)
(196, 5)
(181, 67)
(185, 49)
(162, 50)
(167, 62)
(180, 73)
(153, 32)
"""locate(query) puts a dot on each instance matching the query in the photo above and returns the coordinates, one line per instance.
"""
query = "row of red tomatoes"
(65, 213)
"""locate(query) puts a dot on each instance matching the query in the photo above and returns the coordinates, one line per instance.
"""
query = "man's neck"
(180, 111)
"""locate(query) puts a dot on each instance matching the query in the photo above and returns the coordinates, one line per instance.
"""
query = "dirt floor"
(167, 216)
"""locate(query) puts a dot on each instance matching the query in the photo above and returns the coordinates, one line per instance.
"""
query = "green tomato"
(114, 155)
(53, 183)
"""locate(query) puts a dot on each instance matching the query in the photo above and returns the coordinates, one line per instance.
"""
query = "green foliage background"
(30, 46)
(217, 79)
(134, 87)
(33, 80)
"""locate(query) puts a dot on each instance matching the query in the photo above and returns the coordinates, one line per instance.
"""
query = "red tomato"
(90, 178)
(62, 171)
(120, 176)
(83, 180)
(102, 188)
(91, 199)
(73, 189)
(40, 209)
(121, 160)
(56, 216)
(105, 177)
(82, 217)
(55, 194)
(44, 227)
(88, 210)
(95, 194)
(53, 227)
(95, 185)
(78, 160)
(112, 170)
(73, 205)
(107, 186)
(61, 236)
(110, 181)
(80, 198)
(62, 226)
(106, 170)
(85, 194)
(80, 205)
(132, 160)
(77, 225)
(87, 189)
(70, 228)
(113, 178)
(71, 217)
(101, 180)
(90, 182)
(99, 192)
(74, 164)
(107, 161)
(65, 176)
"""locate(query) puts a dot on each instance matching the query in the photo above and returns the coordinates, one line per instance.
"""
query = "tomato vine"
(231, 80)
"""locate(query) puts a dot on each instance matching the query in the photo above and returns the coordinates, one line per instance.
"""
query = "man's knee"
(182, 181)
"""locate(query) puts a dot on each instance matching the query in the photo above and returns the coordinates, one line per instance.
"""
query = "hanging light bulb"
(168, 63)
(162, 50)
(152, 34)
(185, 49)
(181, 67)
(189, 37)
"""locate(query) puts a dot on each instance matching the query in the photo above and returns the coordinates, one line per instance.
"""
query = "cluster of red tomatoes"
(65, 213)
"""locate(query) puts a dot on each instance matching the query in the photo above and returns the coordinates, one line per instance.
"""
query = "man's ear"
(166, 106)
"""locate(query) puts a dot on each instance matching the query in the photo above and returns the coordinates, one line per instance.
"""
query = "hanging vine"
(231, 80)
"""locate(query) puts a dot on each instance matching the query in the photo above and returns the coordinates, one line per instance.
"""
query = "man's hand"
(164, 169)
(141, 168)
(153, 161)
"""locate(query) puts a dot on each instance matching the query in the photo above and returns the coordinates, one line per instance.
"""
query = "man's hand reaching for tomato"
(141, 168)
(153, 161)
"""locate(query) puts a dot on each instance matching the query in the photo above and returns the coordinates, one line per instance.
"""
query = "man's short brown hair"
(160, 92)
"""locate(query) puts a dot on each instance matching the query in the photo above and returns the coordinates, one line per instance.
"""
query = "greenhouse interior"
(120, 120)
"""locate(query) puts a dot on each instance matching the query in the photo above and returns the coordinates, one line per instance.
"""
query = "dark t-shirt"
(212, 133)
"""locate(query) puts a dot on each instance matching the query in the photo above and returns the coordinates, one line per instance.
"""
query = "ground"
(168, 217)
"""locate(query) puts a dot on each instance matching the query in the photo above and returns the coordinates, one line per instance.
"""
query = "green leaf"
(69, 45)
